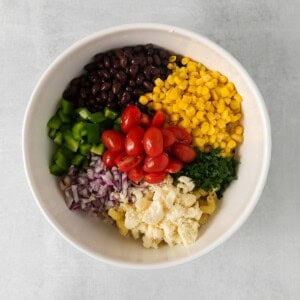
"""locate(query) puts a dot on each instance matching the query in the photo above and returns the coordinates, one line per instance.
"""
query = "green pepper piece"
(60, 160)
(70, 142)
(52, 133)
(93, 133)
(84, 149)
(67, 107)
(83, 113)
(97, 117)
(79, 130)
(117, 127)
(54, 122)
(118, 120)
(110, 114)
(64, 118)
(58, 138)
(98, 149)
(77, 160)
(68, 154)
(56, 170)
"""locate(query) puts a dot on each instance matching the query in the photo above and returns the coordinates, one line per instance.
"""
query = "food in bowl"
(148, 139)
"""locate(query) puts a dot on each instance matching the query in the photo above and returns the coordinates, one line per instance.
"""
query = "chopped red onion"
(93, 189)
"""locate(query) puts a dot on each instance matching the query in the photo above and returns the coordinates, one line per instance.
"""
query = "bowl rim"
(195, 36)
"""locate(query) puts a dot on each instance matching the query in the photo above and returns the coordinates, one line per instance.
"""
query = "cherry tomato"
(174, 166)
(156, 164)
(181, 135)
(145, 121)
(134, 141)
(155, 177)
(184, 152)
(113, 140)
(153, 141)
(158, 119)
(136, 174)
(168, 137)
(130, 118)
(109, 158)
(127, 162)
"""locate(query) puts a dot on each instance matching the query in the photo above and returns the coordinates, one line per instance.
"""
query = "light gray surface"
(260, 261)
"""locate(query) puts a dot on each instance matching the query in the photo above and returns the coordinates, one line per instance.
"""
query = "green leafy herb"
(211, 171)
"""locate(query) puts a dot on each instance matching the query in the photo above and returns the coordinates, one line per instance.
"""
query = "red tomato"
(156, 164)
(126, 162)
(109, 158)
(134, 141)
(153, 141)
(168, 137)
(130, 118)
(181, 135)
(113, 140)
(136, 174)
(155, 177)
(174, 166)
(184, 152)
(145, 121)
(158, 119)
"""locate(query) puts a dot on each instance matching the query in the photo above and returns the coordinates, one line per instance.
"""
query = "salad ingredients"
(76, 132)
(162, 212)
(153, 141)
(118, 77)
(211, 171)
(203, 102)
(113, 140)
(94, 188)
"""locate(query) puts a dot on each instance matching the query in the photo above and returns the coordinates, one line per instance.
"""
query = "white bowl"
(91, 235)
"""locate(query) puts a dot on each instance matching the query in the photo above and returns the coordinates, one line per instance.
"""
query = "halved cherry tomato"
(113, 140)
(155, 177)
(109, 158)
(168, 137)
(145, 121)
(184, 152)
(127, 162)
(153, 141)
(181, 135)
(130, 118)
(156, 164)
(174, 166)
(136, 174)
(134, 141)
(158, 119)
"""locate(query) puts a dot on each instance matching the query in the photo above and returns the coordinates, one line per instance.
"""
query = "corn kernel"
(235, 105)
(223, 79)
(231, 144)
(190, 111)
(185, 60)
(143, 100)
(239, 130)
(174, 117)
(205, 127)
(157, 106)
(170, 66)
(158, 82)
(156, 89)
(172, 58)
(238, 138)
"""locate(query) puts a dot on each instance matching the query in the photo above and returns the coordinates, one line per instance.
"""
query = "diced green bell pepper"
(58, 138)
(60, 160)
(84, 149)
(54, 122)
(83, 113)
(64, 117)
(52, 133)
(118, 120)
(77, 160)
(110, 114)
(56, 170)
(67, 107)
(79, 130)
(70, 142)
(117, 127)
(93, 133)
(98, 149)
(97, 117)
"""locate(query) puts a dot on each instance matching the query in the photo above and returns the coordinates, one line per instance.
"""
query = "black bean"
(123, 61)
(111, 96)
(106, 61)
(163, 53)
(131, 83)
(140, 78)
(95, 88)
(104, 95)
(100, 65)
(138, 92)
(90, 67)
(149, 60)
(121, 76)
(133, 70)
(148, 85)
(113, 71)
(143, 62)
(125, 96)
(156, 59)
(136, 61)
(119, 53)
(155, 72)
(105, 86)
(129, 89)
(116, 88)
(83, 93)
(98, 57)
(75, 81)
(149, 46)
(116, 64)
(147, 71)
(137, 48)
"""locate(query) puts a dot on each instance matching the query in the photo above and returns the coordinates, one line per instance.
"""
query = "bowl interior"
(91, 234)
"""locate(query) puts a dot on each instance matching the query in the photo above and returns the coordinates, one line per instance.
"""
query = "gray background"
(260, 261)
